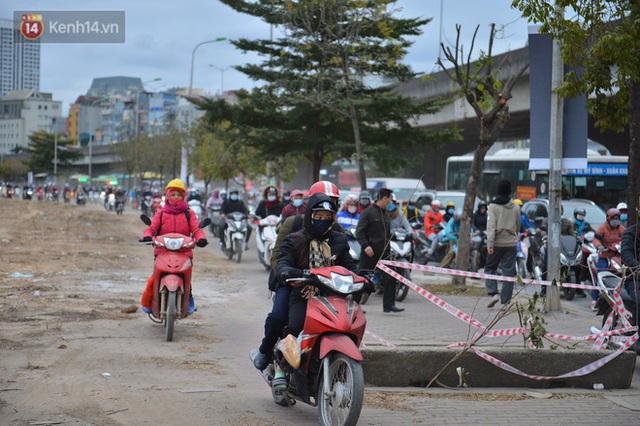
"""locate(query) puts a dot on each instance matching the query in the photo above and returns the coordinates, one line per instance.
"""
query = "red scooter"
(324, 370)
(171, 277)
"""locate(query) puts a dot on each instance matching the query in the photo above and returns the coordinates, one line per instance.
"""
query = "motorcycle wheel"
(229, 251)
(237, 250)
(401, 289)
(171, 316)
(570, 292)
(279, 399)
(343, 403)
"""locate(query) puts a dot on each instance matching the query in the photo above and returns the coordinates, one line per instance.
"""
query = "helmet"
(233, 191)
(324, 205)
(324, 187)
(622, 206)
(579, 210)
(450, 204)
(351, 199)
(365, 194)
(611, 213)
(176, 184)
(223, 192)
(295, 192)
(518, 201)
(436, 203)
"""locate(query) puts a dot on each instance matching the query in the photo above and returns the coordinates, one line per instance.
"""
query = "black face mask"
(320, 227)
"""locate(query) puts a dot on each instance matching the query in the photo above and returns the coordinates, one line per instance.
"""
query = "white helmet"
(622, 206)
(435, 203)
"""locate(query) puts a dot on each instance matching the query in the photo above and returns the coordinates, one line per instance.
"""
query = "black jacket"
(373, 230)
(294, 252)
(630, 247)
(230, 206)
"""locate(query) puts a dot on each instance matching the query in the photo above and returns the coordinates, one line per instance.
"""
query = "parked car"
(538, 209)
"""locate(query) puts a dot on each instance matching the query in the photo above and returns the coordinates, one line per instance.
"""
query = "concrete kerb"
(414, 365)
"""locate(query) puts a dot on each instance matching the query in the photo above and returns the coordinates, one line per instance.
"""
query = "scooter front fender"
(339, 343)
(172, 282)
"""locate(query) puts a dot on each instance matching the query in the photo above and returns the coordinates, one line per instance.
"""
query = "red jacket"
(165, 222)
(610, 237)
(432, 219)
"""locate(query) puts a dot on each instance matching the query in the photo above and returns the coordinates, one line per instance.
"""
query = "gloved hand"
(202, 242)
(146, 239)
(369, 287)
(601, 249)
(291, 273)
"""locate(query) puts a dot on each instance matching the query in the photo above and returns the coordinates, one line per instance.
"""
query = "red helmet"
(612, 212)
(324, 187)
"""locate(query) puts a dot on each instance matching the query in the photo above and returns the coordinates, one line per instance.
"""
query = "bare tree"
(480, 85)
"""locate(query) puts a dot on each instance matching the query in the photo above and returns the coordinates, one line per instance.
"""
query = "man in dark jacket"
(232, 204)
(630, 254)
(373, 233)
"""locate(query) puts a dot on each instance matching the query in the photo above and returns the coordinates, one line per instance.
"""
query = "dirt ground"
(75, 347)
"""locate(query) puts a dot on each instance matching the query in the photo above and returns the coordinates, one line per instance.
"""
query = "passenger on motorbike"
(231, 205)
(295, 207)
(525, 223)
(278, 317)
(433, 223)
(412, 213)
(397, 220)
(607, 234)
(315, 246)
(348, 216)
(450, 209)
(451, 232)
(176, 217)
(580, 223)
(479, 221)
(622, 207)
(364, 201)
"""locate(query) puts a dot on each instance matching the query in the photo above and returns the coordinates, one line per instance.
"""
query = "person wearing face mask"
(295, 207)
(622, 207)
(231, 205)
(270, 204)
(373, 233)
(396, 218)
(450, 232)
(348, 216)
(580, 223)
(607, 234)
(286, 197)
(450, 209)
(364, 201)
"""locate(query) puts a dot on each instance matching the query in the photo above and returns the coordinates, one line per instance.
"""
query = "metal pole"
(90, 141)
(552, 302)
(55, 152)
(184, 163)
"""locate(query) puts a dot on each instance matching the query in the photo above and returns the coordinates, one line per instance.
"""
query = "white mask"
(352, 209)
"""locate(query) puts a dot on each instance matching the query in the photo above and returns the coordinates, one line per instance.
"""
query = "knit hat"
(504, 187)
(176, 184)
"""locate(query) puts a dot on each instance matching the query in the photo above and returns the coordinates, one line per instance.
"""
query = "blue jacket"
(451, 230)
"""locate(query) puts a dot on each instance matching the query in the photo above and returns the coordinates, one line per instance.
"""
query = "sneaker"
(492, 302)
(146, 310)
(261, 361)
(192, 305)
(280, 380)
(593, 305)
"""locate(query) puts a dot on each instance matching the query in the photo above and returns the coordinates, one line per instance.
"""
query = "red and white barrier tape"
(576, 373)
(478, 275)
(380, 339)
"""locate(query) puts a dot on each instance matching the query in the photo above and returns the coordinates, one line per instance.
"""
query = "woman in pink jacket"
(176, 217)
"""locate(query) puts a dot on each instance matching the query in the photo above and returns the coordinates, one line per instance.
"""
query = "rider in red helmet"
(607, 235)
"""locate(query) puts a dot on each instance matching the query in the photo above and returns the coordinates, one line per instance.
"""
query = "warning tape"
(380, 339)
(590, 368)
(479, 275)
(625, 341)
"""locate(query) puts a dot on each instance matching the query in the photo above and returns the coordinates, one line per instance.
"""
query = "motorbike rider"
(364, 201)
(295, 207)
(607, 235)
(315, 246)
(287, 196)
(433, 223)
(450, 209)
(176, 217)
(194, 194)
(120, 195)
(479, 220)
(622, 207)
(348, 216)
(451, 232)
(397, 220)
(270, 203)
(630, 256)
(231, 205)
(411, 212)
(580, 223)
(525, 223)
(279, 315)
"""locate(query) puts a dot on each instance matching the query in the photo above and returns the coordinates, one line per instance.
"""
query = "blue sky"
(161, 36)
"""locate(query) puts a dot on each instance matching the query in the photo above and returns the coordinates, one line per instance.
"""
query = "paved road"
(425, 324)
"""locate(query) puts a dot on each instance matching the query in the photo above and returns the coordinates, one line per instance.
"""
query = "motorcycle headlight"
(341, 283)
(563, 259)
(173, 243)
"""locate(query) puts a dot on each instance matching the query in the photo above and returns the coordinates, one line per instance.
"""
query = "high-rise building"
(19, 61)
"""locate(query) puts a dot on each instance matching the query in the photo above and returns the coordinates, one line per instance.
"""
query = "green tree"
(13, 170)
(488, 95)
(315, 101)
(41, 152)
(602, 38)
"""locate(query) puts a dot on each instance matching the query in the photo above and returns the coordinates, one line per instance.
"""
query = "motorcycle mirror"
(205, 222)
(145, 219)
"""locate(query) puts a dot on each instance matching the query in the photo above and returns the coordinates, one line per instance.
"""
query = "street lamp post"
(222, 70)
(55, 151)
(185, 157)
